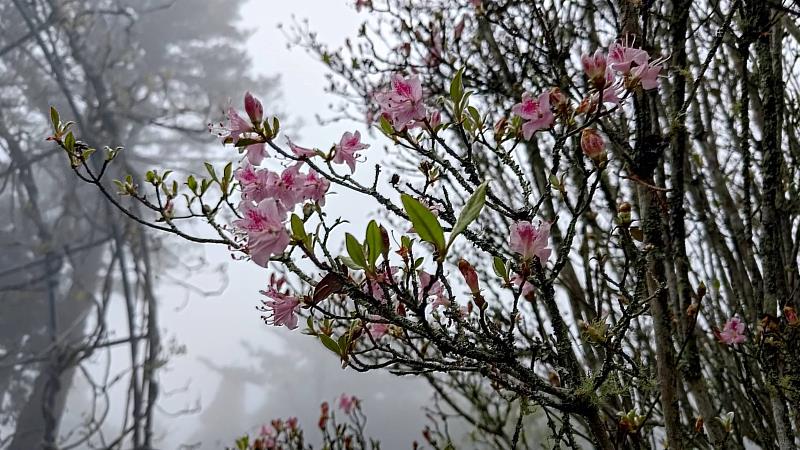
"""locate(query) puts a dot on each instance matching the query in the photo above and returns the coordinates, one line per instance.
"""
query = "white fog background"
(236, 372)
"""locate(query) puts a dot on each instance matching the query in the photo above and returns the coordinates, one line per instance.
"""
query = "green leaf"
(425, 223)
(211, 172)
(192, 183)
(499, 267)
(374, 242)
(347, 261)
(355, 250)
(330, 344)
(386, 126)
(457, 87)
(69, 142)
(228, 171)
(276, 126)
(55, 119)
(298, 228)
(470, 212)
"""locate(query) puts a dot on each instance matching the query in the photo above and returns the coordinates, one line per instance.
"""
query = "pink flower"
(288, 187)
(529, 241)
(647, 75)
(377, 330)
(527, 288)
(283, 309)
(300, 151)
(253, 108)
(252, 181)
(256, 153)
(315, 187)
(362, 4)
(402, 104)
(433, 288)
(266, 235)
(732, 332)
(348, 403)
(595, 68)
(622, 57)
(536, 112)
(291, 422)
(347, 148)
(236, 125)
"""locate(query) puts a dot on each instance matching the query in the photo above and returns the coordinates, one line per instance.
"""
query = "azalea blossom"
(536, 112)
(252, 181)
(433, 289)
(521, 283)
(647, 75)
(300, 151)
(402, 103)
(263, 223)
(236, 125)
(348, 403)
(595, 68)
(622, 57)
(530, 241)
(346, 150)
(287, 187)
(283, 309)
(315, 187)
(732, 332)
(377, 330)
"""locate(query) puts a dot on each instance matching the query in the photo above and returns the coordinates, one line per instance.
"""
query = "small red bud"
(469, 274)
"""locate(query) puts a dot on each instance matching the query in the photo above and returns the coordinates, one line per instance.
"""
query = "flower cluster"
(403, 105)
(623, 69)
(269, 196)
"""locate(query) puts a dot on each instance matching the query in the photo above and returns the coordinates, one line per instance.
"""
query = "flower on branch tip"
(595, 68)
(646, 74)
(622, 56)
(263, 224)
(402, 104)
(282, 307)
(536, 112)
(345, 151)
(530, 241)
(253, 108)
(252, 182)
(300, 151)
(348, 403)
(732, 332)
(236, 125)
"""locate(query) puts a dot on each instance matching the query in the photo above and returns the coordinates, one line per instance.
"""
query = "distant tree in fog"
(146, 73)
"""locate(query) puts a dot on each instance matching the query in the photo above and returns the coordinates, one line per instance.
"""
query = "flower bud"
(253, 108)
(469, 274)
(559, 101)
(624, 213)
(698, 425)
(790, 314)
(593, 145)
